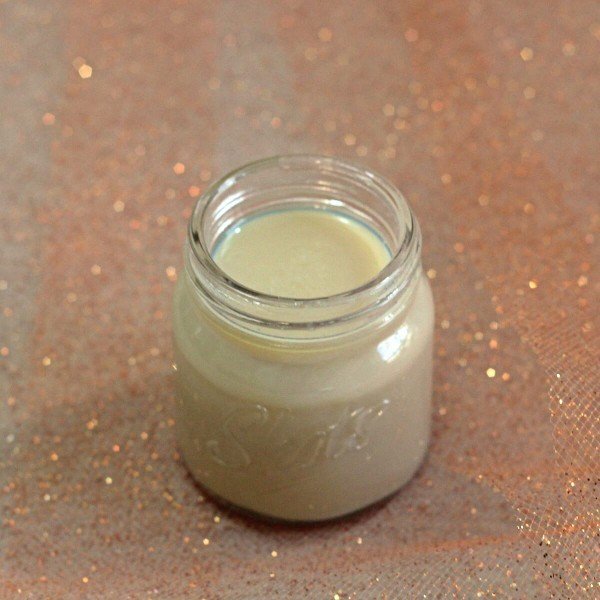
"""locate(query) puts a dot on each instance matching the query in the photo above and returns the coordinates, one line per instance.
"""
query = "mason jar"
(303, 409)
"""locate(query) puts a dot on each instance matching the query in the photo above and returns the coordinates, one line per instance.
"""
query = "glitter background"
(116, 115)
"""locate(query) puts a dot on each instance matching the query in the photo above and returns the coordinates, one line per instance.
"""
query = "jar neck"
(306, 181)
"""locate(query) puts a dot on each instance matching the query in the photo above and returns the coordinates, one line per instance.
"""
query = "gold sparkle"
(96, 269)
(478, 335)
(491, 372)
(108, 480)
(275, 122)
(48, 119)
(431, 273)
(389, 110)
(483, 200)
(171, 273)
(274, 553)
(310, 54)
(532, 284)
(359, 540)
(53, 457)
(119, 206)
(85, 579)
(116, 448)
(144, 435)
(325, 34)
(349, 139)
(470, 84)
(4, 351)
(411, 35)
(526, 53)
(46, 361)
(505, 376)
(437, 106)
(493, 344)
(445, 324)
(459, 247)
(582, 281)
(179, 168)
(85, 71)
(446, 178)
(206, 541)
(529, 93)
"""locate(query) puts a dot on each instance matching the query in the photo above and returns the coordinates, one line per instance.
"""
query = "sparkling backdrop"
(115, 117)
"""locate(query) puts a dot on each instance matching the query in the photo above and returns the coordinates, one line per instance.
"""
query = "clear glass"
(303, 409)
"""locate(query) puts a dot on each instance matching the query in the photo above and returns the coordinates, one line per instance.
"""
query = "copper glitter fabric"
(116, 115)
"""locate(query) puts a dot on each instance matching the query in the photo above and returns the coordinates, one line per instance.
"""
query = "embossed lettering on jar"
(291, 403)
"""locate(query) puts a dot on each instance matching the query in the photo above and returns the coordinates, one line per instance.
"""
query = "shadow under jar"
(303, 409)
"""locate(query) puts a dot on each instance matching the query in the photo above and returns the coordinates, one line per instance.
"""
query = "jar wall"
(303, 431)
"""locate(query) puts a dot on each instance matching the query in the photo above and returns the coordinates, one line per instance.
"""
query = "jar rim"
(397, 271)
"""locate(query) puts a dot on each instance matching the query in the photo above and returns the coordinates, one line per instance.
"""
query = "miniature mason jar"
(311, 407)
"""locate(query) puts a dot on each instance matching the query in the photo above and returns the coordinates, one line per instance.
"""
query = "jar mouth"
(318, 181)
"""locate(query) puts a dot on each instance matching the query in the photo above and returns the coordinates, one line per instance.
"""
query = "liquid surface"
(301, 253)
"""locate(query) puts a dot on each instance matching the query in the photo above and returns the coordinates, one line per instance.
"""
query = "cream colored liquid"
(302, 254)
(311, 432)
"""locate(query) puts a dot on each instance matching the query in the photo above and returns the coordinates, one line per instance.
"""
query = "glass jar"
(303, 409)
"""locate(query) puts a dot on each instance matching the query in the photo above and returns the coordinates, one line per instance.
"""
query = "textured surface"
(115, 115)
